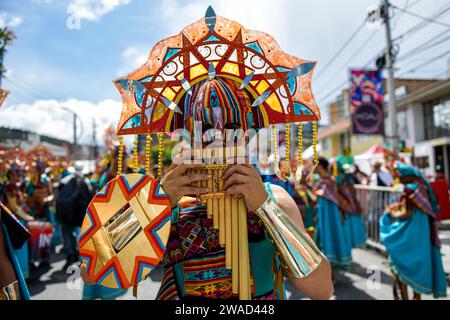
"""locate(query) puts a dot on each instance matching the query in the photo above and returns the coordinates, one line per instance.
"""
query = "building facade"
(423, 119)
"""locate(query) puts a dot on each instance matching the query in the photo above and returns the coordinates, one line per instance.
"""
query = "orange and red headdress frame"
(215, 47)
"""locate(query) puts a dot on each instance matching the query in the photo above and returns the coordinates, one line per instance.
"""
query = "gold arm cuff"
(298, 252)
(10, 292)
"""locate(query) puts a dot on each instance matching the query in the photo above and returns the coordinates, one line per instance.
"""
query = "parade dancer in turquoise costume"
(345, 173)
(331, 230)
(408, 230)
(13, 235)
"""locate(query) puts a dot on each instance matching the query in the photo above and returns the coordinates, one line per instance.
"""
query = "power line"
(330, 93)
(341, 49)
(25, 89)
(422, 24)
(358, 51)
(28, 90)
(430, 20)
(425, 46)
(412, 70)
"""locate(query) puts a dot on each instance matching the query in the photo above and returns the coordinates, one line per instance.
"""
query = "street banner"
(366, 101)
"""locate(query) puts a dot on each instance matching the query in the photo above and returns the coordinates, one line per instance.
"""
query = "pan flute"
(229, 215)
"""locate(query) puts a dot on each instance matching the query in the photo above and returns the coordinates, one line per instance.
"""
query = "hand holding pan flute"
(244, 179)
(176, 183)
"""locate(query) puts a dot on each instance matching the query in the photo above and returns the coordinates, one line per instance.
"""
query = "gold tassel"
(300, 144)
(120, 156)
(136, 155)
(299, 171)
(148, 141)
(287, 154)
(160, 154)
(276, 159)
(315, 157)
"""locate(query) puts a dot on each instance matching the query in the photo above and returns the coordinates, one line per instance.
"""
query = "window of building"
(437, 119)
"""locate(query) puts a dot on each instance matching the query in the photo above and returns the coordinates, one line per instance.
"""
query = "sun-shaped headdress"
(216, 53)
(279, 83)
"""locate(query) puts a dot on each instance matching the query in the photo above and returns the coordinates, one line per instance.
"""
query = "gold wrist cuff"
(298, 252)
(10, 292)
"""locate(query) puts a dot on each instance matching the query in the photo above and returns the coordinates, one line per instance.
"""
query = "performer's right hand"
(177, 184)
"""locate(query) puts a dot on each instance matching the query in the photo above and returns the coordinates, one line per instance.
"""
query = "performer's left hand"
(245, 180)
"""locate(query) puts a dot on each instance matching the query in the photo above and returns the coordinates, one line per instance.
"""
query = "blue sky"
(50, 65)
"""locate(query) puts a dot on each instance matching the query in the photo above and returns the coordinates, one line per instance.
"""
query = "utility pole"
(392, 112)
(94, 139)
(75, 151)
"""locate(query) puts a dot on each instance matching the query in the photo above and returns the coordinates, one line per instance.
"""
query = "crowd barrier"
(373, 201)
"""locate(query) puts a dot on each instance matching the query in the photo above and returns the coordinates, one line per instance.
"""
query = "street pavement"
(368, 279)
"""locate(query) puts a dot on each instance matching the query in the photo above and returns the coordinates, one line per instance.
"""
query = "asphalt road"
(369, 279)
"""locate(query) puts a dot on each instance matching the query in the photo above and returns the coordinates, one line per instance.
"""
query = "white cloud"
(6, 20)
(94, 9)
(133, 57)
(49, 118)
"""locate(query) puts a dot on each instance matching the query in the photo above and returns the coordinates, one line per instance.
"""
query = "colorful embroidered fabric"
(194, 249)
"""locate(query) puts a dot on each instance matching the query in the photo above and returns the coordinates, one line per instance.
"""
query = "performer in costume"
(13, 196)
(195, 260)
(215, 76)
(408, 229)
(13, 236)
(331, 231)
(345, 172)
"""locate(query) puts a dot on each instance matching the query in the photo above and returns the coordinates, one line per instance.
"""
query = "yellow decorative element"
(275, 147)
(148, 141)
(198, 71)
(160, 154)
(168, 93)
(160, 109)
(300, 144)
(315, 158)
(274, 103)
(120, 156)
(262, 86)
(136, 155)
(124, 229)
(231, 67)
(287, 163)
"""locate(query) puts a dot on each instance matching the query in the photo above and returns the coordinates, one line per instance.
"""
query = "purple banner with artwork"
(366, 100)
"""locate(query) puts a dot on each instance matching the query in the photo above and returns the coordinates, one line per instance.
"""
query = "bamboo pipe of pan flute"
(215, 184)
(228, 236)
(244, 260)
(209, 203)
(235, 246)
(222, 225)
